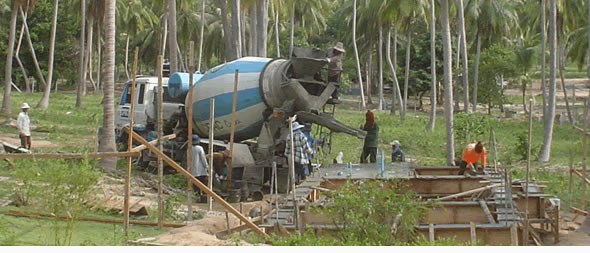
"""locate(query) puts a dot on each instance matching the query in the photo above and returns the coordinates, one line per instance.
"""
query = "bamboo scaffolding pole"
(584, 148)
(211, 134)
(571, 175)
(198, 183)
(232, 130)
(153, 142)
(70, 155)
(528, 167)
(189, 149)
(160, 164)
(292, 171)
(129, 146)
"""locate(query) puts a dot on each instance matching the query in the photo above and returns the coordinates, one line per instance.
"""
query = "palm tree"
(548, 121)
(464, 55)
(107, 142)
(432, 121)
(448, 79)
(262, 27)
(236, 27)
(81, 68)
(44, 102)
(525, 56)
(356, 55)
(172, 43)
(380, 66)
(9, 54)
(201, 34)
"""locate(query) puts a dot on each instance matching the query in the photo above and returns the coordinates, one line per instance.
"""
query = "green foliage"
(470, 128)
(496, 62)
(60, 187)
(521, 148)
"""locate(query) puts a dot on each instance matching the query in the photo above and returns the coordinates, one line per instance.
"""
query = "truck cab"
(145, 111)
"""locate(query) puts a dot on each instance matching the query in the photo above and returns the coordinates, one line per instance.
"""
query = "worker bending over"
(396, 152)
(471, 154)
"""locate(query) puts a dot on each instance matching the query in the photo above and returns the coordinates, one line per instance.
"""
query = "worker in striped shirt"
(471, 154)
(302, 149)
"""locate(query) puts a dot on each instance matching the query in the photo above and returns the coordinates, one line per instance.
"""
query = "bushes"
(60, 187)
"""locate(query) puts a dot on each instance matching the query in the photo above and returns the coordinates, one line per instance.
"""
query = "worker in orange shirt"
(471, 154)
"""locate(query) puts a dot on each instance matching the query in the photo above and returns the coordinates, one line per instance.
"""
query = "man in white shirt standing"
(199, 164)
(23, 124)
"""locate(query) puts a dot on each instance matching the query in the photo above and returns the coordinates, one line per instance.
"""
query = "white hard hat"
(25, 106)
(394, 142)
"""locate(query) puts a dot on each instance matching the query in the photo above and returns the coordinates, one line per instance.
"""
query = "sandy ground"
(573, 231)
(36, 142)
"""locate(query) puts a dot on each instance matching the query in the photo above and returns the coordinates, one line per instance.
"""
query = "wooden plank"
(211, 135)
(35, 215)
(467, 193)
(69, 155)
(198, 183)
(153, 142)
(585, 179)
(431, 232)
(486, 210)
(578, 211)
(189, 150)
(129, 144)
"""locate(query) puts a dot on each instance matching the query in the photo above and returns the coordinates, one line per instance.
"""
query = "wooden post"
(198, 183)
(292, 170)
(556, 224)
(227, 222)
(211, 134)
(232, 130)
(274, 169)
(472, 233)
(528, 166)
(513, 235)
(241, 211)
(431, 233)
(571, 175)
(584, 144)
(129, 146)
(160, 133)
(189, 148)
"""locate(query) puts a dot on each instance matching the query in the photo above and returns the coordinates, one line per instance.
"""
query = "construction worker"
(370, 145)
(23, 124)
(471, 154)
(396, 152)
(199, 165)
(334, 69)
(312, 143)
(301, 150)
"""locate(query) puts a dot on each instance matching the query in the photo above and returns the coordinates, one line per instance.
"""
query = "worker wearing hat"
(396, 151)
(199, 165)
(334, 69)
(23, 123)
(302, 149)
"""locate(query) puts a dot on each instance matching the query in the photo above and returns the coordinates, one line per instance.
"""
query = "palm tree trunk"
(82, 65)
(243, 33)
(369, 67)
(543, 60)
(464, 54)
(432, 121)
(448, 80)
(457, 61)
(99, 59)
(107, 142)
(253, 18)
(172, 42)
(380, 65)
(127, 58)
(230, 53)
(44, 102)
(19, 62)
(356, 56)
(201, 34)
(407, 71)
(276, 16)
(588, 52)
(262, 30)
(396, 94)
(395, 47)
(236, 27)
(545, 153)
(89, 54)
(292, 30)
(31, 48)
(476, 71)
(9, 54)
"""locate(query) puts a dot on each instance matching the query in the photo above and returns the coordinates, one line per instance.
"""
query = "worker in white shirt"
(23, 124)
(199, 165)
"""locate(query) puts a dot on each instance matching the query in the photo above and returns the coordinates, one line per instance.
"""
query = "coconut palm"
(461, 24)
(82, 66)
(9, 54)
(107, 142)
(545, 152)
(432, 121)
(44, 102)
(356, 55)
(448, 79)
(172, 43)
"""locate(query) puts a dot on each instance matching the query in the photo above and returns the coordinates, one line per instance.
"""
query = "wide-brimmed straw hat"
(394, 142)
(339, 47)
(25, 106)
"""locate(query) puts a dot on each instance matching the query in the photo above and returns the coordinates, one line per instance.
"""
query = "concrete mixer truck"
(269, 92)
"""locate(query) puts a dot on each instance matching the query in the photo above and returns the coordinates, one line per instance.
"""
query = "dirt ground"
(573, 231)
(36, 142)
